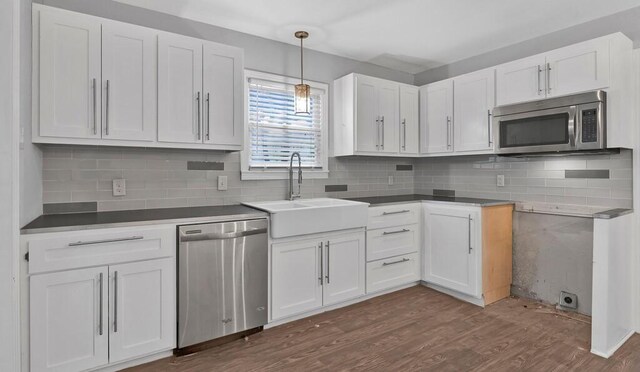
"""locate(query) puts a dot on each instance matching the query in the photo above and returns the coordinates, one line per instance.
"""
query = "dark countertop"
(80, 221)
(612, 213)
(378, 200)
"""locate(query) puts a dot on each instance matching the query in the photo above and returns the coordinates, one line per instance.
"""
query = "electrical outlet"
(500, 182)
(222, 183)
(119, 187)
(390, 180)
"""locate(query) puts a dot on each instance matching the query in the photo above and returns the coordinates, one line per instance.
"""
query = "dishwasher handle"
(219, 236)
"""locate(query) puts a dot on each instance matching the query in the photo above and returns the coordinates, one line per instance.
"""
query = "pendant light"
(303, 91)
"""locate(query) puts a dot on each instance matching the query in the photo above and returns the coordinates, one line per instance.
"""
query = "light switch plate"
(500, 181)
(119, 187)
(222, 183)
(390, 180)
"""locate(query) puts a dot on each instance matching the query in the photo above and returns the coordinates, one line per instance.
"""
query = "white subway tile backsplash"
(539, 180)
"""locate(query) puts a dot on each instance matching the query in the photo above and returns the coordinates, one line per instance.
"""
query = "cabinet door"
(451, 258)
(409, 136)
(70, 93)
(436, 117)
(474, 99)
(295, 277)
(223, 119)
(578, 68)
(129, 75)
(368, 136)
(143, 308)
(389, 111)
(521, 80)
(179, 89)
(344, 271)
(68, 320)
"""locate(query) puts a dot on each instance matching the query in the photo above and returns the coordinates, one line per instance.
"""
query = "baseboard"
(365, 297)
(135, 362)
(614, 348)
(460, 296)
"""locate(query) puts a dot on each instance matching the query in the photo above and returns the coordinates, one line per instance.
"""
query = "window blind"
(276, 132)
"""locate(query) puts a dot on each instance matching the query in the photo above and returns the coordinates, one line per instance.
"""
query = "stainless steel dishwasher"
(222, 279)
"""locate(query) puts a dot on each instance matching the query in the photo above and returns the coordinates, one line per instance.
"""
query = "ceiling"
(405, 35)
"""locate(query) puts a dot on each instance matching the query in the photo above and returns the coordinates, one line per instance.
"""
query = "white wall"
(9, 114)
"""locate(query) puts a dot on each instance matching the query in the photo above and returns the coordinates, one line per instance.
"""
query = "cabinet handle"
(382, 130)
(489, 128)
(404, 134)
(395, 232)
(328, 262)
(377, 132)
(106, 111)
(539, 72)
(548, 74)
(396, 212)
(470, 219)
(448, 132)
(395, 262)
(137, 237)
(208, 117)
(321, 263)
(100, 310)
(198, 115)
(95, 114)
(115, 301)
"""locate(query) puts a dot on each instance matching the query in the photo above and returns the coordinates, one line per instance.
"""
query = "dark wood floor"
(417, 329)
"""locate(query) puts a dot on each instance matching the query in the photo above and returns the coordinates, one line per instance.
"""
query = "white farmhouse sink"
(310, 216)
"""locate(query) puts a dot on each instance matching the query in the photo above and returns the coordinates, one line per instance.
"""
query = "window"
(274, 132)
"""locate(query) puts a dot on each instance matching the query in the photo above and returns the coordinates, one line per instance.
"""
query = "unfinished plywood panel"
(497, 233)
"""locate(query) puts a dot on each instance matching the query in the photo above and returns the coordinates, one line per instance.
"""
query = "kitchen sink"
(310, 216)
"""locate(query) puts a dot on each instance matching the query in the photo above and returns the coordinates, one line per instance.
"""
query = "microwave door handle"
(572, 126)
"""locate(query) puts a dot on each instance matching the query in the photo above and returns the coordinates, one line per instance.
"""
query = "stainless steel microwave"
(570, 123)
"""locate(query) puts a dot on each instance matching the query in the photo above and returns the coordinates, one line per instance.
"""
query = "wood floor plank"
(416, 329)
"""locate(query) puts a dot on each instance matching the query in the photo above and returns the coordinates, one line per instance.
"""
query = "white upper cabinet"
(577, 68)
(520, 81)
(129, 82)
(474, 98)
(223, 89)
(388, 113)
(69, 75)
(68, 320)
(367, 117)
(368, 123)
(103, 82)
(582, 67)
(179, 89)
(409, 120)
(436, 117)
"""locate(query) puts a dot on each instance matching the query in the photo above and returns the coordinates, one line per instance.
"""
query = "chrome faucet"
(292, 195)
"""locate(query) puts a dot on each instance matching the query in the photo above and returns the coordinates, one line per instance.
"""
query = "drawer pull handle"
(396, 212)
(106, 241)
(395, 232)
(395, 262)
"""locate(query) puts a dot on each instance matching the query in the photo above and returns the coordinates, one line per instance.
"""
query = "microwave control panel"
(589, 126)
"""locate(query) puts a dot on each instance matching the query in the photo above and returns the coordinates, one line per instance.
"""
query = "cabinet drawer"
(392, 272)
(394, 241)
(68, 250)
(393, 215)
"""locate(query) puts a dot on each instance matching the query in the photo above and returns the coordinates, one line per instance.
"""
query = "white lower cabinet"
(69, 315)
(84, 318)
(309, 273)
(142, 308)
(393, 272)
(452, 242)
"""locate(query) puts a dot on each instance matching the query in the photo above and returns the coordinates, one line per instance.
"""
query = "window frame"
(246, 173)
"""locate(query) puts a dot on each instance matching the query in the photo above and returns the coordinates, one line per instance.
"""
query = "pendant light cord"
(301, 63)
